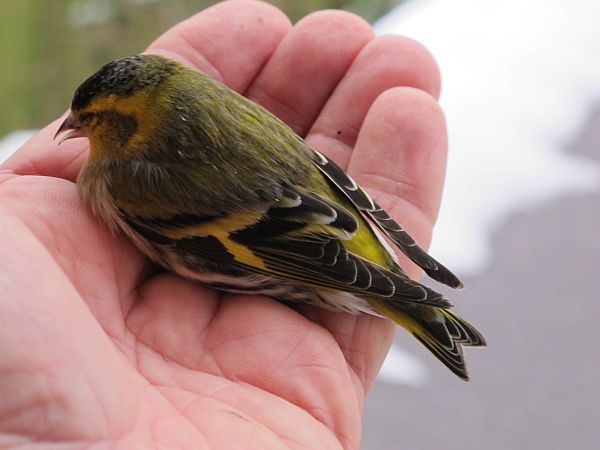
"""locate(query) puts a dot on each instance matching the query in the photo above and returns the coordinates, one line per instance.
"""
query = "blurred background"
(519, 221)
(49, 47)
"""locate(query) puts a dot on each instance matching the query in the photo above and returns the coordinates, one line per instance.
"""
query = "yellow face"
(118, 107)
(115, 125)
(119, 124)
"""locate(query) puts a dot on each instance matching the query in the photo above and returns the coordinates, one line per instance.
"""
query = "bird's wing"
(373, 212)
(299, 237)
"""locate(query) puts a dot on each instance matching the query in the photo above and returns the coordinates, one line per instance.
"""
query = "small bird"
(213, 187)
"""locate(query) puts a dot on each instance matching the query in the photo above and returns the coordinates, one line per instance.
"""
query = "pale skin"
(98, 348)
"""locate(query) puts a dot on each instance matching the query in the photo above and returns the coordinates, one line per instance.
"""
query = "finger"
(230, 41)
(307, 65)
(384, 63)
(400, 158)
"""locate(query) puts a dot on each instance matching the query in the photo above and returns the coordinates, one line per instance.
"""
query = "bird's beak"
(71, 128)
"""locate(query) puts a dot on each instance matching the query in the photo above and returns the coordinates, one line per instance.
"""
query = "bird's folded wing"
(299, 237)
(373, 212)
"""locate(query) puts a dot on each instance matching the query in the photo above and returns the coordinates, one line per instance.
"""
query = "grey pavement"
(537, 384)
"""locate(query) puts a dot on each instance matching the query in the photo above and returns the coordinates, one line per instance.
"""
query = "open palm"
(99, 346)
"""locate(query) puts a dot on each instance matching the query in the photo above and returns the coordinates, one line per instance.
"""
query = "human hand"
(96, 346)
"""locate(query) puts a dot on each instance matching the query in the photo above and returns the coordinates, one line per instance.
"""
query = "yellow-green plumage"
(213, 187)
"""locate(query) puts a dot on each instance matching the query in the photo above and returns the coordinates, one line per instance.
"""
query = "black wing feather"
(385, 223)
(321, 258)
(299, 237)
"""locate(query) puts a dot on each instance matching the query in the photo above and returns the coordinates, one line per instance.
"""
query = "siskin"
(213, 187)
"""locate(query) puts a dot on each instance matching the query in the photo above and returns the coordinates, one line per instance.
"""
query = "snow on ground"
(519, 80)
(12, 141)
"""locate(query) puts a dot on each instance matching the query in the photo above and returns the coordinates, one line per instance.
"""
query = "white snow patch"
(12, 141)
(519, 80)
(401, 367)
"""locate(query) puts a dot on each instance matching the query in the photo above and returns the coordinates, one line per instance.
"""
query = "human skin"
(100, 349)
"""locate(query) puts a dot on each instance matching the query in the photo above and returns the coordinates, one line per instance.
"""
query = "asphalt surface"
(536, 385)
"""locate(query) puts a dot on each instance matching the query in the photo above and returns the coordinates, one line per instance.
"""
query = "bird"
(211, 186)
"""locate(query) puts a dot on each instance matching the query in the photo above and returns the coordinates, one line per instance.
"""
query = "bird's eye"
(87, 118)
(91, 119)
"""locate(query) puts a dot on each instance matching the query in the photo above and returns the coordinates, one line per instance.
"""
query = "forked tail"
(440, 330)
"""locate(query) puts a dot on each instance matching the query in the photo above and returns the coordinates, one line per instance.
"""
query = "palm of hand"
(97, 346)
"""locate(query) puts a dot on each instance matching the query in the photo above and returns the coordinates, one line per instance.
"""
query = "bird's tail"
(441, 331)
